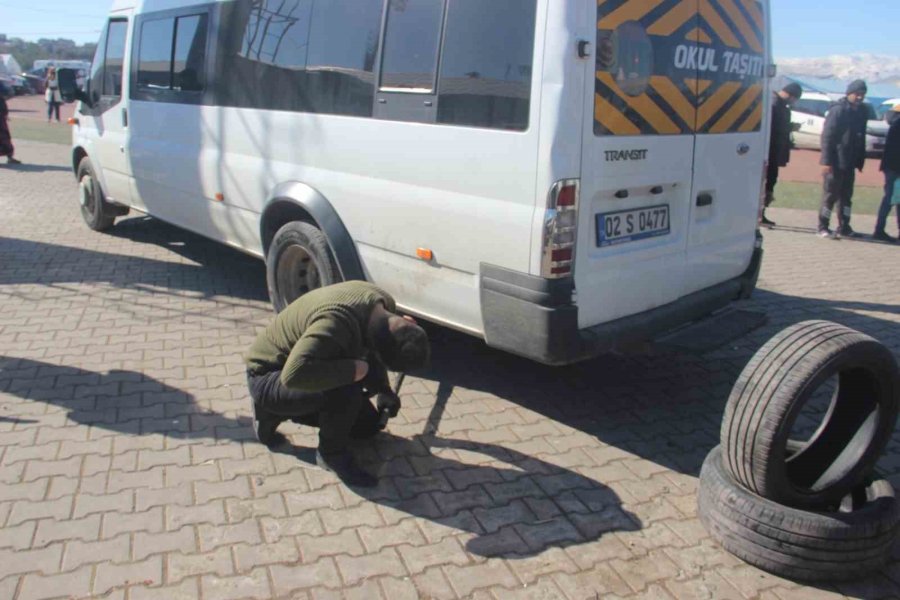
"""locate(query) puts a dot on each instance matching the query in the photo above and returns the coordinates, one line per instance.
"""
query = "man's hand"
(388, 401)
(826, 170)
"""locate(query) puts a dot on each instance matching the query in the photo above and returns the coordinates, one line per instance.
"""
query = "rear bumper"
(535, 317)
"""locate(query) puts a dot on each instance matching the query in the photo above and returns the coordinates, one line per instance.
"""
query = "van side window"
(114, 59)
(303, 55)
(155, 56)
(486, 63)
(172, 55)
(411, 40)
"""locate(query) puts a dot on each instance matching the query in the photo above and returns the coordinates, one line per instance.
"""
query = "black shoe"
(265, 426)
(881, 236)
(13, 161)
(344, 466)
(767, 222)
(848, 232)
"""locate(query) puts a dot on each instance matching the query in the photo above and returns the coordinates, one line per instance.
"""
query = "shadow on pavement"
(33, 168)
(121, 401)
(220, 271)
(515, 504)
(510, 498)
(664, 408)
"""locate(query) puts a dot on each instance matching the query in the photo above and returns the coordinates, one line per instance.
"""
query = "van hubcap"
(85, 193)
(298, 273)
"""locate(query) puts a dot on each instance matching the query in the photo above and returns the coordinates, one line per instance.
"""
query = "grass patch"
(40, 131)
(808, 196)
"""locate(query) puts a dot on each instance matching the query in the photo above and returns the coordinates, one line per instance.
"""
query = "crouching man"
(320, 359)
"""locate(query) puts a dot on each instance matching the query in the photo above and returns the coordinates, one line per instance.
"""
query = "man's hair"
(402, 345)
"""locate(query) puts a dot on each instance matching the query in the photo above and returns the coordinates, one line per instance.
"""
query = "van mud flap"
(710, 333)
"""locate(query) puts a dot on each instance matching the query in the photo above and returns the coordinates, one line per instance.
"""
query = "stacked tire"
(808, 509)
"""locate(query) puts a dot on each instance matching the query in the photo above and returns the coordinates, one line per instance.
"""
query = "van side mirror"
(69, 89)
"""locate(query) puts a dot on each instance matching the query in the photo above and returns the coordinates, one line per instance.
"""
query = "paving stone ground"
(128, 468)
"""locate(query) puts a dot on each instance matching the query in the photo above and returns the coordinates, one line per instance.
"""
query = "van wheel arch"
(295, 201)
(78, 154)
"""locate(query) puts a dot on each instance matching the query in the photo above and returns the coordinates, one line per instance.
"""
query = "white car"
(882, 109)
(808, 116)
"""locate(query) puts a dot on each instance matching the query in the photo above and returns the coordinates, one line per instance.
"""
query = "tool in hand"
(384, 413)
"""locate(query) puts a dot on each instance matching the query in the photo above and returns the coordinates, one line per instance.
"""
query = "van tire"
(794, 543)
(96, 212)
(299, 260)
(769, 396)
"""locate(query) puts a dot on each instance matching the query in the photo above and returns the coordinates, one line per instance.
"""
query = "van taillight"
(560, 227)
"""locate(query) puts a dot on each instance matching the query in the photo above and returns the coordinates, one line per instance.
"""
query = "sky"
(800, 28)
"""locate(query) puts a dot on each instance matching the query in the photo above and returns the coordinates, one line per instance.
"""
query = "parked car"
(36, 84)
(809, 114)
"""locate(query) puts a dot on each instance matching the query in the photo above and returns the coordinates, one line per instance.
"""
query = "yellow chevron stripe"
(671, 94)
(752, 7)
(743, 26)
(698, 35)
(698, 86)
(753, 121)
(727, 121)
(719, 26)
(632, 10)
(608, 116)
(645, 107)
(674, 19)
(715, 102)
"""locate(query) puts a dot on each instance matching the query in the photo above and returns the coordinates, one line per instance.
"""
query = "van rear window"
(679, 67)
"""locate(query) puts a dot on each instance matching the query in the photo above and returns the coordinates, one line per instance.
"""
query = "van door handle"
(124, 117)
(704, 199)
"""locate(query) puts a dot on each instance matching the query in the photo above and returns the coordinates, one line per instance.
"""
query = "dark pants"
(335, 411)
(52, 107)
(838, 189)
(890, 178)
(771, 180)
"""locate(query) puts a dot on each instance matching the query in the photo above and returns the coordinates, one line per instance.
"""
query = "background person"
(890, 166)
(843, 151)
(6, 146)
(316, 360)
(780, 141)
(51, 94)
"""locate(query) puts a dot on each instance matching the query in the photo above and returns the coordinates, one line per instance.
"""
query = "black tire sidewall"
(96, 218)
(771, 392)
(791, 542)
(314, 242)
(876, 360)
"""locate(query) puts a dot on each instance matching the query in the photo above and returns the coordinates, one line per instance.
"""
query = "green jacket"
(316, 340)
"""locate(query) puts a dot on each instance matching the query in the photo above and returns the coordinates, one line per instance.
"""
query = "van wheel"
(855, 539)
(94, 209)
(772, 391)
(299, 260)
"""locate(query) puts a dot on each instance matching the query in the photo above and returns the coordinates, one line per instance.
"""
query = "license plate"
(625, 226)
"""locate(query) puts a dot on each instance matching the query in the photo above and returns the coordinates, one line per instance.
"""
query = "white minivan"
(558, 177)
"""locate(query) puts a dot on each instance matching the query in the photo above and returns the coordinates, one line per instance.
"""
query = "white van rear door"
(730, 141)
(638, 157)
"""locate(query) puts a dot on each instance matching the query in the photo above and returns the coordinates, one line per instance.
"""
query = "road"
(129, 468)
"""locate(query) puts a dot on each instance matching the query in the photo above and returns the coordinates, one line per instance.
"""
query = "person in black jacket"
(843, 151)
(6, 145)
(890, 166)
(779, 141)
